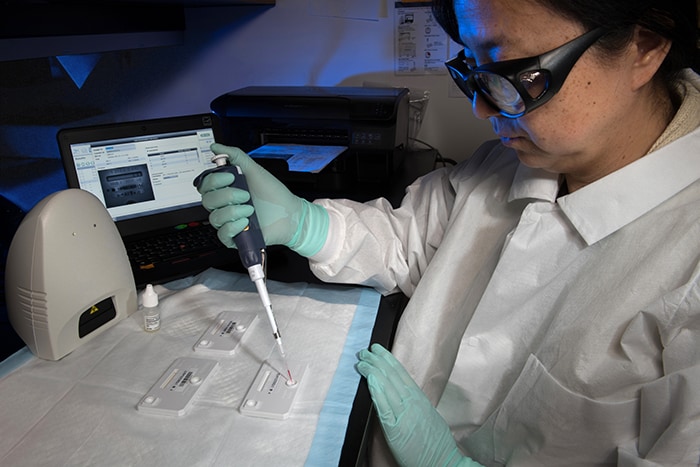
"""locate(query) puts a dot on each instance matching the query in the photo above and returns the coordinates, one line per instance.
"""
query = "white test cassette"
(174, 392)
(225, 333)
(272, 394)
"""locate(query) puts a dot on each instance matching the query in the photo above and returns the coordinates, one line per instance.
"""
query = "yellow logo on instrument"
(94, 309)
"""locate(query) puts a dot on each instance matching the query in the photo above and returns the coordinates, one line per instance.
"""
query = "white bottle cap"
(149, 299)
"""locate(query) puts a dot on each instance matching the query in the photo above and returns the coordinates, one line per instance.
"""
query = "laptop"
(142, 171)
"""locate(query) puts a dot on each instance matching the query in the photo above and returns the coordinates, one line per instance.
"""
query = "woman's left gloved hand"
(416, 433)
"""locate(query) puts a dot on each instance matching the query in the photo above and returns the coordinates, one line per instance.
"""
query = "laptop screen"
(140, 169)
(144, 174)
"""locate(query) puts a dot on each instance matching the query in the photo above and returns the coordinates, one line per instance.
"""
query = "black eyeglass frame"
(555, 65)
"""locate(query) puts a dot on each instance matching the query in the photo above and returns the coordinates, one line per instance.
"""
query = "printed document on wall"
(421, 46)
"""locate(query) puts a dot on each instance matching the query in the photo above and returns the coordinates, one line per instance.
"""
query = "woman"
(555, 275)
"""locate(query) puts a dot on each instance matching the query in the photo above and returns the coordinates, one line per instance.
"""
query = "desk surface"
(81, 410)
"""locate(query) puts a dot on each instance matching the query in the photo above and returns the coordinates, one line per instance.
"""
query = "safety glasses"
(516, 87)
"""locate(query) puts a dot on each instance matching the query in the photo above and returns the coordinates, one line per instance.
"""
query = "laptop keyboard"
(178, 245)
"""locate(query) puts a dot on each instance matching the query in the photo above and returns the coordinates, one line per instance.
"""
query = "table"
(81, 410)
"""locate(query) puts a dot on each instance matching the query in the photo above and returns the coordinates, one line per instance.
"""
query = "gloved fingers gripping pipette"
(251, 248)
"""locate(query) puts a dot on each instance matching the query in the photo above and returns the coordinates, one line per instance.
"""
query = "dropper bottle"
(151, 310)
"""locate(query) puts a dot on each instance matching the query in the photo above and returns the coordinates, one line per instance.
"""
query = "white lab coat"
(547, 331)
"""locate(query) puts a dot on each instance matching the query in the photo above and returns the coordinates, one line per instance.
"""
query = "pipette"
(251, 248)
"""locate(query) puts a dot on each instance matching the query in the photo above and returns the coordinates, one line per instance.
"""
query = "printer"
(371, 122)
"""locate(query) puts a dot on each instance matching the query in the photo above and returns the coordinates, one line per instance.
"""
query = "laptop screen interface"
(144, 175)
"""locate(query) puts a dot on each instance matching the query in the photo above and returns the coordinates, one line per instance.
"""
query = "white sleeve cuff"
(334, 240)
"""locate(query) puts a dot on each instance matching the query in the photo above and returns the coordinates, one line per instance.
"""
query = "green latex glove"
(415, 431)
(284, 218)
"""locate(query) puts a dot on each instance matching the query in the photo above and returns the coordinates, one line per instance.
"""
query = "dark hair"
(676, 20)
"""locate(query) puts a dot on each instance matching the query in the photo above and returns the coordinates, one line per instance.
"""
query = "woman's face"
(589, 128)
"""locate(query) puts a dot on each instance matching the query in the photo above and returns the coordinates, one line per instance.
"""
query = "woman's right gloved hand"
(284, 218)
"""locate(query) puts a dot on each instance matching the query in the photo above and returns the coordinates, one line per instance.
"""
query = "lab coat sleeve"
(376, 245)
(670, 406)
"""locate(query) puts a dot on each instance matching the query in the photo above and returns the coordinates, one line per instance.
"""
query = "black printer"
(371, 122)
